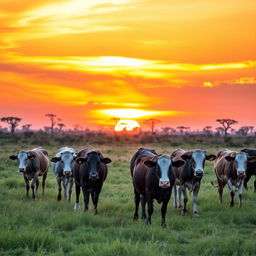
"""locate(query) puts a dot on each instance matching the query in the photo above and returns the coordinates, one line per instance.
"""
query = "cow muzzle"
(67, 173)
(199, 173)
(164, 184)
(240, 173)
(93, 176)
(21, 169)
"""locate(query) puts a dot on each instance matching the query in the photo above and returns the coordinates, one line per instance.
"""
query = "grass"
(48, 227)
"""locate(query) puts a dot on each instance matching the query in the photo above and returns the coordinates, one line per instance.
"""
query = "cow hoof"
(164, 225)
(180, 206)
(231, 204)
(58, 198)
(196, 214)
(148, 222)
(144, 217)
(76, 207)
(96, 212)
(135, 217)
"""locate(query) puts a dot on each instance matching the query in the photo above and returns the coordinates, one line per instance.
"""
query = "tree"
(220, 130)
(226, 123)
(26, 127)
(207, 129)
(53, 121)
(182, 129)
(61, 125)
(151, 123)
(12, 121)
(167, 130)
(244, 130)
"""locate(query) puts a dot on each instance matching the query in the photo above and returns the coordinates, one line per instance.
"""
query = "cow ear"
(186, 156)
(55, 159)
(210, 157)
(106, 160)
(13, 157)
(251, 159)
(31, 157)
(81, 160)
(150, 163)
(177, 163)
(230, 158)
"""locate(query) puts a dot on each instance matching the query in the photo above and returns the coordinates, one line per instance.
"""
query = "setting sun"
(126, 125)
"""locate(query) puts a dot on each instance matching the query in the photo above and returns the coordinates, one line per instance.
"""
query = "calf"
(62, 168)
(32, 164)
(251, 168)
(189, 175)
(230, 168)
(153, 178)
(90, 171)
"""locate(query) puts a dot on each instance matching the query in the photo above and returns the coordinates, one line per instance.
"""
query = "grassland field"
(48, 227)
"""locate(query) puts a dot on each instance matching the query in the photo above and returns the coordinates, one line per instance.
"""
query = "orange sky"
(184, 62)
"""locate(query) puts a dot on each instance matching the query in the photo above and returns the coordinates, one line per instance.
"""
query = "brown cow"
(33, 163)
(230, 168)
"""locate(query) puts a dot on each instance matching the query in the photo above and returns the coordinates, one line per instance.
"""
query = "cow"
(153, 178)
(62, 168)
(33, 163)
(142, 152)
(189, 176)
(230, 168)
(90, 171)
(251, 168)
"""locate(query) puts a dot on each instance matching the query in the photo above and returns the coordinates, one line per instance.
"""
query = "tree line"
(56, 125)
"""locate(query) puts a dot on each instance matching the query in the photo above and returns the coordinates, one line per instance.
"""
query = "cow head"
(23, 159)
(240, 160)
(93, 161)
(198, 158)
(163, 165)
(66, 159)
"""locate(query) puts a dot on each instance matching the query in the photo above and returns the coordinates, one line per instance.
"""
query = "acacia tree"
(226, 124)
(26, 127)
(12, 121)
(52, 120)
(61, 125)
(151, 123)
(182, 129)
(207, 129)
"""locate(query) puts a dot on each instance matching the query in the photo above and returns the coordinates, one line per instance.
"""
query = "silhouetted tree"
(12, 121)
(53, 121)
(244, 130)
(61, 125)
(207, 129)
(182, 129)
(151, 123)
(166, 130)
(26, 127)
(226, 123)
(220, 130)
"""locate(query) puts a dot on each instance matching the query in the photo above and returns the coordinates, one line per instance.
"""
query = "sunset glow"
(126, 125)
(182, 62)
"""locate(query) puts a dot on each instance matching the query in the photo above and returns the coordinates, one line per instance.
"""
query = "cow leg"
(34, 182)
(78, 189)
(86, 198)
(246, 179)
(195, 200)
(182, 188)
(95, 198)
(143, 207)
(232, 193)
(58, 179)
(150, 207)
(37, 184)
(179, 199)
(255, 185)
(64, 184)
(69, 189)
(26, 183)
(43, 181)
(239, 192)
(175, 196)
(137, 202)
(166, 200)
(220, 191)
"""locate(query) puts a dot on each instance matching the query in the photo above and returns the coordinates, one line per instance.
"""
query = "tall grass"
(48, 227)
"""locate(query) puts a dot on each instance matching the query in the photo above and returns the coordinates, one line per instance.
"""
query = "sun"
(126, 125)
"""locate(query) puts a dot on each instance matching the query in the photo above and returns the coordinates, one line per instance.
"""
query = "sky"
(87, 61)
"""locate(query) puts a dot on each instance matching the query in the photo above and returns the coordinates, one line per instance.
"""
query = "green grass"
(48, 227)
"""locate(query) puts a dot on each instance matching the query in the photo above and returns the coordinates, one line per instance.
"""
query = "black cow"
(90, 171)
(153, 178)
(251, 168)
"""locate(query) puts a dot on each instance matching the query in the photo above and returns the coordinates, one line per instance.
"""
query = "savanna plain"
(48, 227)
